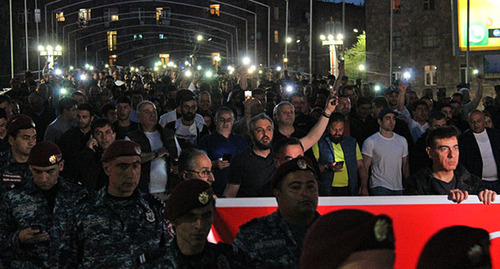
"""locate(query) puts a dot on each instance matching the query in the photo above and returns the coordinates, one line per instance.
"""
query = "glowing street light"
(49, 52)
(332, 43)
(475, 71)
(322, 37)
(288, 40)
(199, 38)
(246, 60)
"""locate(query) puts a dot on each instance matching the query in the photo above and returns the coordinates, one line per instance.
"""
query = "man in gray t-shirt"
(387, 154)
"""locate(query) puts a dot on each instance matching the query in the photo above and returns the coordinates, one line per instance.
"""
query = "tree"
(355, 57)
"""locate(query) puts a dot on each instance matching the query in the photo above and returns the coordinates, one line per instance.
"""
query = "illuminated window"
(111, 40)
(163, 15)
(276, 13)
(60, 16)
(159, 11)
(215, 10)
(276, 36)
(83, 17)
(112, 14)
(428, 4)
(430, 75)
(112, 59)
(396, 6)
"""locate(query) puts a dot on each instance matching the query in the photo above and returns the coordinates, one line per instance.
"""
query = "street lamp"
(331, 43)
(50, 51)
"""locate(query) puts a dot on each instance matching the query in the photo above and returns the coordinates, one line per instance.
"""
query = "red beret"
(186, 196)
(336, 235)
(457, 247)
(45, 154)
(297, 164)
(19, 122)
(121, 148)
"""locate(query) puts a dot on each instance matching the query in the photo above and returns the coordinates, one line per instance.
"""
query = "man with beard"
(187, 130)
(252, 168)
(76, 138)
(275, 241)
(340, 160)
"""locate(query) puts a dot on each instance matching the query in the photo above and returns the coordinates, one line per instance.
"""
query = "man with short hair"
(191, 209)
(255, 182)
(35, 216)
(41, 114)
(284, 117)
(121, 225)
(88, 169)
(386, 154)
(76, 138)
(480, 151)
(6, 104)
(65, 120)
(340, 160)
(159, 147)
(195, 164)
(21, 135)
(418, 155)
(108, 111)
(275, 241)
(447, 175)
(186, 129)
(362, 123)
(123, 125)
(204, 102)
(221, 146)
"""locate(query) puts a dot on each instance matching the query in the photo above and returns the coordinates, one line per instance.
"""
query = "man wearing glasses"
(221, 146)
(195, 164)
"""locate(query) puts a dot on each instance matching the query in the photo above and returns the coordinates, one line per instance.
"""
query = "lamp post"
(285, 59)
(50, 51)
(331, 42)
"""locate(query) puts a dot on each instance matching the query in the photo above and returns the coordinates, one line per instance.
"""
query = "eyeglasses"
(203, 174)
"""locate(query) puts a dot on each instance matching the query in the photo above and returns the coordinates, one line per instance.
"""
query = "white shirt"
(489, 165)
(172, 116)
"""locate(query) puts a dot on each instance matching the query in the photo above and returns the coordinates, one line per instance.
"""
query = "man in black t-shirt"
(446, 175)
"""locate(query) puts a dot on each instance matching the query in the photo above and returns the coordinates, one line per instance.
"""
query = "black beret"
(45, 154)
(19, 122)
(121, 148)
(186, 196)
(297, 164)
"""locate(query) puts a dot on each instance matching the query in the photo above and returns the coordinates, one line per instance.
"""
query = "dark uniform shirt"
(113, 232)
(271, 242)
(220, 256)
(27, 205)
(12, 173)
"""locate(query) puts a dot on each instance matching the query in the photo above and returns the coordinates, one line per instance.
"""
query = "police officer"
(34, 216)
(191, 208)
(21, 135)
(121, 225)
(275, 241)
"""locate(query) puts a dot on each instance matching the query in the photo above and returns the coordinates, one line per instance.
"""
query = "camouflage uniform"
(269, 242)
(111, 232)
(220, 256)
(12, 173)
(26, 205)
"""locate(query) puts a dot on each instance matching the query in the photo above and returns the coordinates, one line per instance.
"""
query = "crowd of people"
(122, 169)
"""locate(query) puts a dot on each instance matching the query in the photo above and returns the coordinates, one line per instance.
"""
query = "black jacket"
(470, 155)
(421, 183)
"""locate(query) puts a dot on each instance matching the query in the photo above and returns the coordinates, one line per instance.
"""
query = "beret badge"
(381, 230)
(53, 159)
(301, 163)
(204, 198)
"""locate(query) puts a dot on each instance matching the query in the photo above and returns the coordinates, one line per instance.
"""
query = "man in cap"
(387, 154)
(349, 239)
(34, 216)
(21, 135)
(191, 208)
(121, 225)
(446, 175)
(275, 241)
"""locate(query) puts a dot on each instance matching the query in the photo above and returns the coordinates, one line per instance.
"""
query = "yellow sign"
(484, 30)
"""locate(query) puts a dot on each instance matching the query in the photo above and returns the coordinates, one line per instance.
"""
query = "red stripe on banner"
(416, 219)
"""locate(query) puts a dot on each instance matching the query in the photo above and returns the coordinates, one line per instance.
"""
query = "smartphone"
(334, 101)
(226, 157)
(38, 227)
(248, 95)
(339, 163)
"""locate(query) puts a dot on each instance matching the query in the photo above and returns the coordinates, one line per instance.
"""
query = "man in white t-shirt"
(480, 151)
(386, 153)
(187, 130)
(159, 147)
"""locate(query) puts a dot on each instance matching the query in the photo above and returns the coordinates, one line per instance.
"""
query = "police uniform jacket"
(111, 232)
(25, 206)
(12, 173)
